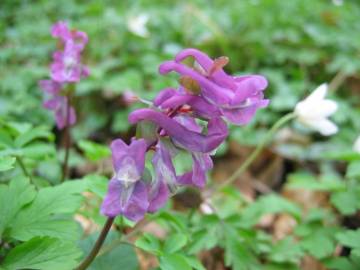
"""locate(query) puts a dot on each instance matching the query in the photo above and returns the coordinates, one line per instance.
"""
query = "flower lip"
(127, 193)
(127, 172)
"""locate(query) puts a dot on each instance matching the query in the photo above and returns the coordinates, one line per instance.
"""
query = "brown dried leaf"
(283, 226)
(310, 263)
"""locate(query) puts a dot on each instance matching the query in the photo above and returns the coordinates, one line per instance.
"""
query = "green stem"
(23, 168)
(124, 238)
(96, 248)
(282, 121)
(67, 138)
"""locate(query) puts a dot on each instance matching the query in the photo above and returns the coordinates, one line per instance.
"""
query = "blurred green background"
(296, 44)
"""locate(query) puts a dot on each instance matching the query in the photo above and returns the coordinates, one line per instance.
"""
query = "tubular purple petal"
(206, 63)
(193, 141)
(209, 90)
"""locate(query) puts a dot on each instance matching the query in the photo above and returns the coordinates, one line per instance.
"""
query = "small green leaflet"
(175, 242)
(268, 204)
(94, 151)
(7, 163)
(174, 262)
(349, 238)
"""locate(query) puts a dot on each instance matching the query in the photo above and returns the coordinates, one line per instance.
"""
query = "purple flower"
(127, 193)
(186, 133)
(236, 98)
(67, 66)
(61, 30)
(201, 161)
(165, 179)
(57, 103)
(182, 136)
(171, 99)
(206, 93)
(197, 177)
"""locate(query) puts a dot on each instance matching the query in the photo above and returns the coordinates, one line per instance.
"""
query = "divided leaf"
(41, 217)
(43, 253)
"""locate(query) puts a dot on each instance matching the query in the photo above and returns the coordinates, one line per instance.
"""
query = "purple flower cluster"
(66, 68)
(191, 118)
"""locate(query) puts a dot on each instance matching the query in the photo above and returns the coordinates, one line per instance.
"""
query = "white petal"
(328, 107)
(315, 107)
(326, 127)
(137, 25)
(356, 146)
(319, 93)
(321, 109)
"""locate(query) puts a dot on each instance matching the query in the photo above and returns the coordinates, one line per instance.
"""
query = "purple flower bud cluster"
(191, 118)
(66, 68)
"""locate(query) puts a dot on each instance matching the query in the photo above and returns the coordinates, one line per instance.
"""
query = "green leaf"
(19, 128)
(43, 253)
(7, 163)
(347, 202)
(121, 256)
(38, 150)
(97, 184)
(64, 228)
(309, 182)
(94, 151)
(150, 243)
(13, 197)
(349, 238)
(194, 263)
(175, 220)
(41, 216)
(340, 263)
(237, 253)
(32, 134)
(286, 250)
(203, 239)
(353, 170)
(175, 242)
(174, 262)
(318, 245)
(269, 204)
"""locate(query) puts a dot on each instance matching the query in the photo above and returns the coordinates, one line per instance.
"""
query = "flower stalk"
(98, 244)
(67, 137)
(281, 122)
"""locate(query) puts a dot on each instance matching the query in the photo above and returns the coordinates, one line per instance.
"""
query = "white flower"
(314, 110)
(137, 25)
(356, 146)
